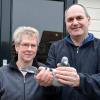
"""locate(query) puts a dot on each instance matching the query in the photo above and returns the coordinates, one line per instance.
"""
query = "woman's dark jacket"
(14, 86)
(86, 60)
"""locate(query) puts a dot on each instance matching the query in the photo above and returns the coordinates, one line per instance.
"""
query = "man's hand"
(67, 76)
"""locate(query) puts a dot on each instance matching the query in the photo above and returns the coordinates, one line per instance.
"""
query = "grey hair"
(86, 13)
(22, 30)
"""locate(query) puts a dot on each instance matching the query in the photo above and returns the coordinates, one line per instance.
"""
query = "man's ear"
(89, 19)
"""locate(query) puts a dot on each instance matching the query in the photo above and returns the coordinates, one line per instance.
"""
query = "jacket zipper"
(24, 87)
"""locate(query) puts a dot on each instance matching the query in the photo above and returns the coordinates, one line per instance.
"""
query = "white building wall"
(93, 8)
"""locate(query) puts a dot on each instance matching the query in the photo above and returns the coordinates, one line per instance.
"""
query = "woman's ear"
(16, 47)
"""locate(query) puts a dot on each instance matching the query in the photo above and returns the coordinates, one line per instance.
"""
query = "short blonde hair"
(25, 30)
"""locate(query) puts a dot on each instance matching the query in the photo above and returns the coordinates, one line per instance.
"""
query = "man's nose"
(75, 21)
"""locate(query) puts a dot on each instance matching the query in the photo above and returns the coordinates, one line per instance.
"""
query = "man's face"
(76, 21)
(27, 49)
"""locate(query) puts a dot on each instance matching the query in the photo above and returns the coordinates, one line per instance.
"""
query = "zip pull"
(77, 49)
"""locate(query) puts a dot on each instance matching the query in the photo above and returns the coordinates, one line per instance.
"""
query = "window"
(45, 15)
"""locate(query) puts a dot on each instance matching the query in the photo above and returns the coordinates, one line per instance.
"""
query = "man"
(80, 80)
(17, 80)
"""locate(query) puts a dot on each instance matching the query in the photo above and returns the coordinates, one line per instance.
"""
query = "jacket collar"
(14, 66)
(89, 38)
